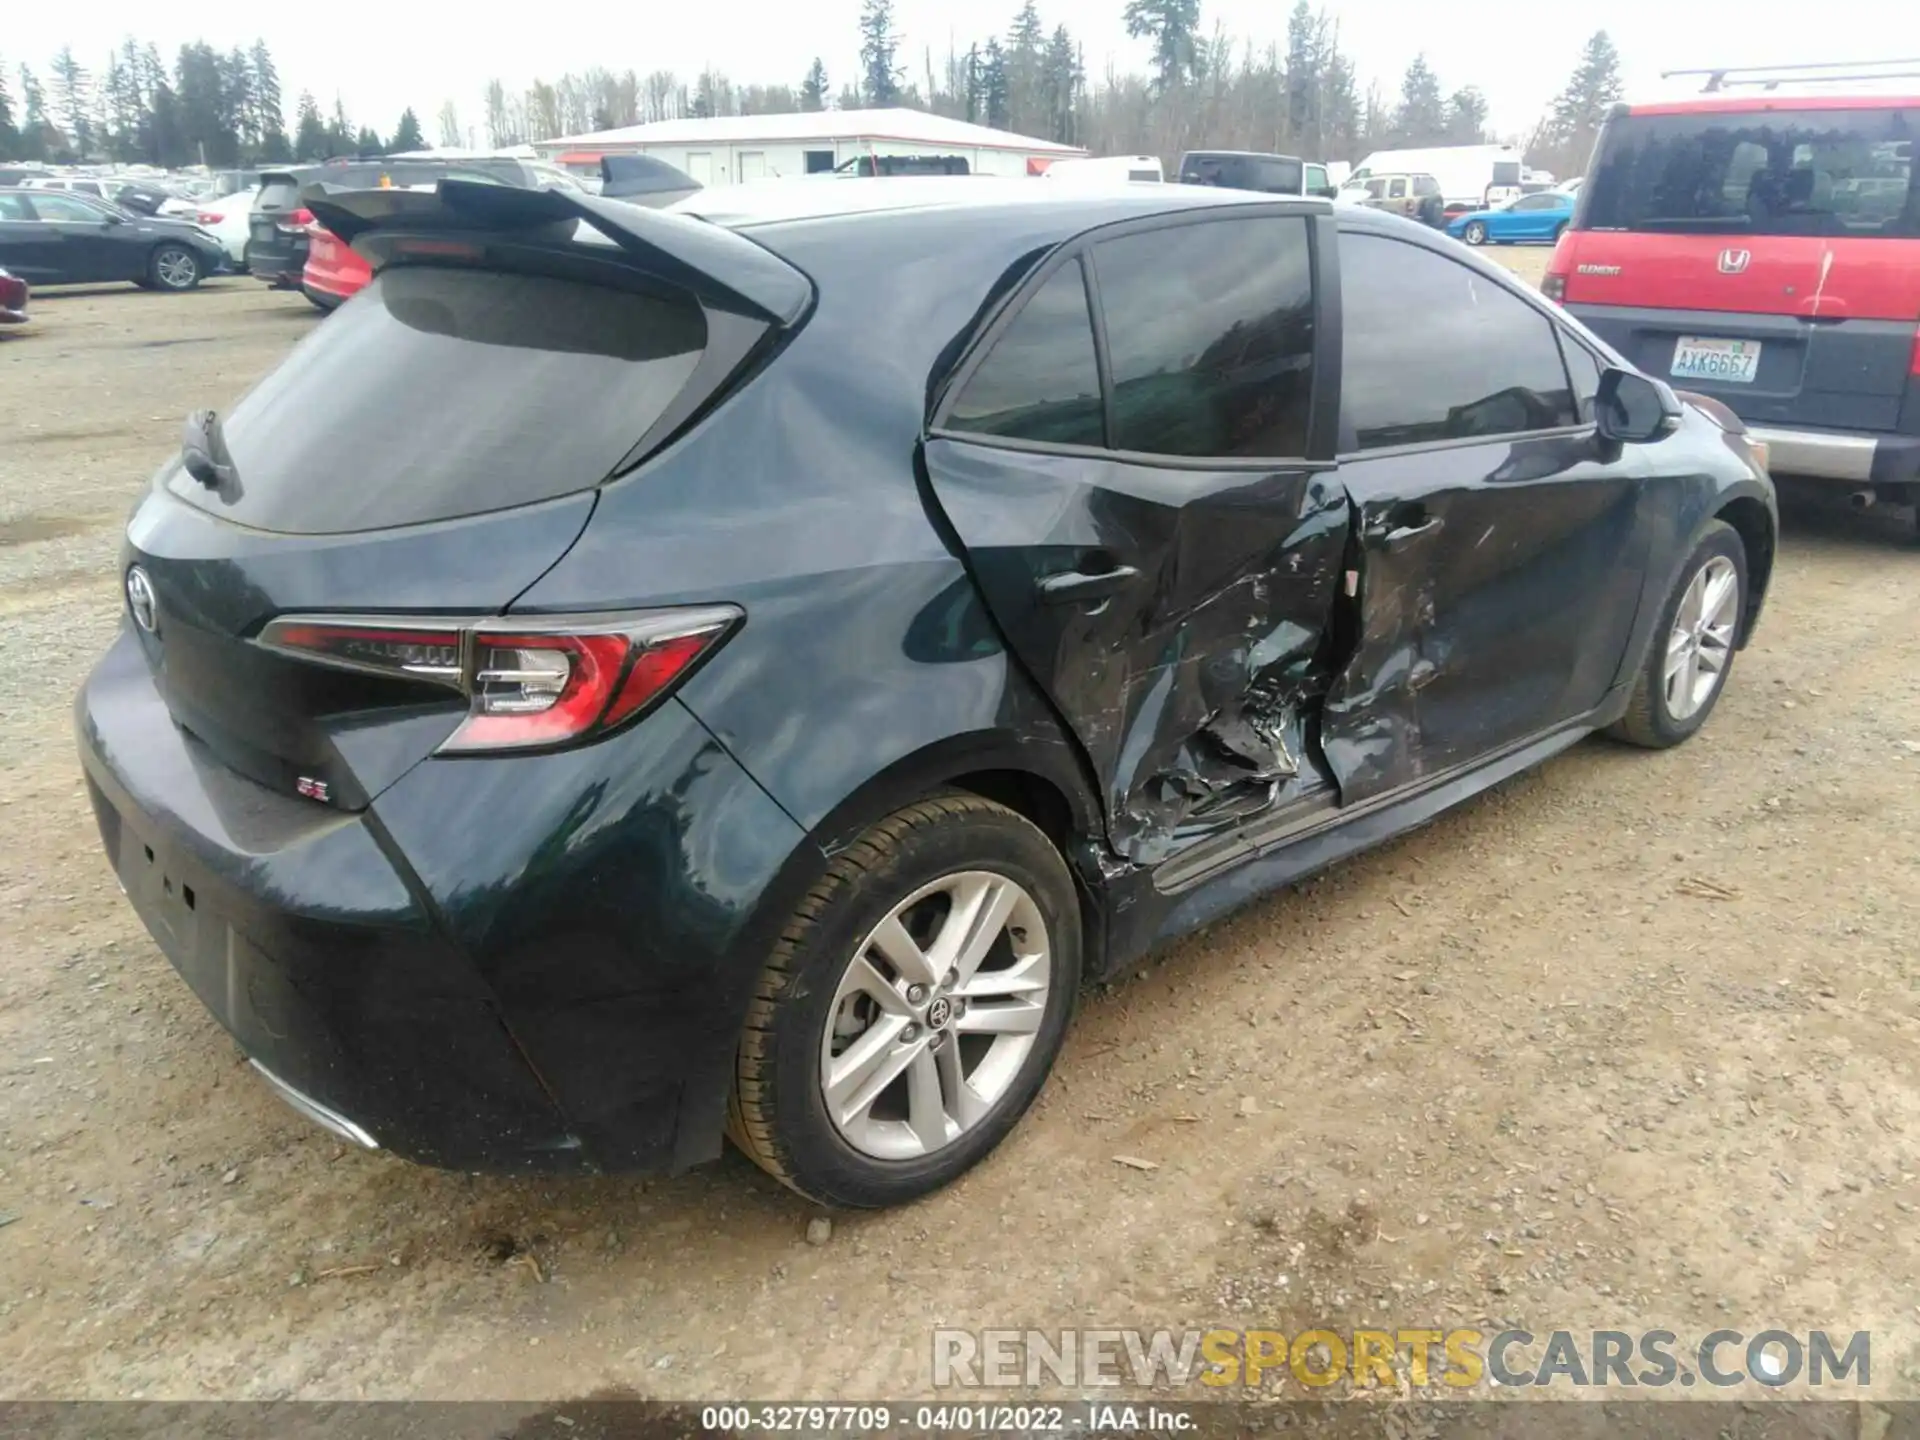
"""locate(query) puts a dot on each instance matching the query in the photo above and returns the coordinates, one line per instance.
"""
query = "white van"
(1105, 168)
(1474, 175)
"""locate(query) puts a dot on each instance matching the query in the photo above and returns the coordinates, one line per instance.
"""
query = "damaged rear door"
(1137, 462)
(1501, 545)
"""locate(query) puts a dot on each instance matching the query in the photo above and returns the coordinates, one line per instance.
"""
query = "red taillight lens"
(1554, 285)
(295, 223)
(529, 685)
(211, 217)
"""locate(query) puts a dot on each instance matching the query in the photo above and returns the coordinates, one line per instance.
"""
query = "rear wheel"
(1475, 233)
(912, 1007)
(174, 267)
(1692, 651)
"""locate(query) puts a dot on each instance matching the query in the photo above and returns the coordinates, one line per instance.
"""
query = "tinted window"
(14, 207)
(1537, 202)
(1433, 350)
(442, 392)
(1815, 172)
(1397, 190)
(1040, 381)
(1210, 337)
(278, 192)
(1277, 176)
(65, 207)
(1584, 370)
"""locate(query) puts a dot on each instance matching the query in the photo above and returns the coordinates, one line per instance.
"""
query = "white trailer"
(1474, 174)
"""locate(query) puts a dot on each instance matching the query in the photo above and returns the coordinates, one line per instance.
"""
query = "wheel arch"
(1753, 520)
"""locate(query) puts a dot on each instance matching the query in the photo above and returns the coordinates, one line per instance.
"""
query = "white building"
(730, 148)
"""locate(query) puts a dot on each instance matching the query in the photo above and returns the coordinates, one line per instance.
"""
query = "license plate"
(1731, 362)
(263, 229)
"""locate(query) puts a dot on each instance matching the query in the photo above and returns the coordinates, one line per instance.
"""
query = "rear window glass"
(278, 192)
(445, 392)
(1782, 172)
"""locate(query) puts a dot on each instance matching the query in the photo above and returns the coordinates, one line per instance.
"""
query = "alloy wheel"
(1701, 643)
(177, 269)
(935, 1016)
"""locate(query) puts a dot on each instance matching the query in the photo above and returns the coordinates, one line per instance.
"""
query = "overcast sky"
(382, 59)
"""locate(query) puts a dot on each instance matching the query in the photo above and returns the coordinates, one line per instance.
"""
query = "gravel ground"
(1628, 1043)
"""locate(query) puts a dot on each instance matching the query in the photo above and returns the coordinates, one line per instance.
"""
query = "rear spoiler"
(711, 261)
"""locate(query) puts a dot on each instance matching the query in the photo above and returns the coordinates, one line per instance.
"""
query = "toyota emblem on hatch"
(1734, 262)
(140, 599)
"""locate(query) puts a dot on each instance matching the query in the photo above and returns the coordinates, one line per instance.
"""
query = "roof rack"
(1771, 77)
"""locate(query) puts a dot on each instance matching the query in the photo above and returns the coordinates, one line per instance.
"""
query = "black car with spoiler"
(636, 674)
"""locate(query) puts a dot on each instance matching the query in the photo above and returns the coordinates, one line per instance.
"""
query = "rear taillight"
(296, 223)
(529, 684)
(1554, 284)
(211, 217)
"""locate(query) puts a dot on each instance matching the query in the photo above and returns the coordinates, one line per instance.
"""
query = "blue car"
(1531, 217)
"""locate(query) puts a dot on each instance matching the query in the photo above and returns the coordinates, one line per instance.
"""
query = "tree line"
(206, 108)
(1303, 95)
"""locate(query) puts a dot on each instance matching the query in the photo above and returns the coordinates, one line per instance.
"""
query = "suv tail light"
(210, 217)
(1554, 284)
(296, 223)
(531, 684)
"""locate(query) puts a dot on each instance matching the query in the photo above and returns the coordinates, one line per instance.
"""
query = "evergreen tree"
(1172, 26)
(993, 86)
(9, 127)
(1422, 116)
(35, 133)
(1062, 79)
(342, 139)
(813, 89)
(879, 43)
(269, 110)
(1026, 55)
(1303, 77)
(73, 92)
(406, 135)
(310, 131)
(366, 144)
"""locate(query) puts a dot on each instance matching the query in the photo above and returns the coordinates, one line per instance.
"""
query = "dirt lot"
(1524, 1066)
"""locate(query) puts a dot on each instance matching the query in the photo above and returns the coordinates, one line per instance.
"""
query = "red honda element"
(1764, 249)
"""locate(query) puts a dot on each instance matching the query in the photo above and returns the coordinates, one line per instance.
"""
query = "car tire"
(1690, 655)
(828, 988)
(1475, 233)
(174, 268)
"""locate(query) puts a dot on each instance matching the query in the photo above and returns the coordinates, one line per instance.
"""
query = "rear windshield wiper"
(203, 450)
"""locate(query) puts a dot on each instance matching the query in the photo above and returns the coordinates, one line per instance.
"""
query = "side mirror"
(1632, 409)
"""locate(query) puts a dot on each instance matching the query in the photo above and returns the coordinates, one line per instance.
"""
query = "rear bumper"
(1855, 459)
(279, 263)
(433, 976)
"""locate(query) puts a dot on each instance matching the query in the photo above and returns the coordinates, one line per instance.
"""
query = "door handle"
(1085, 584)
(1402, 536)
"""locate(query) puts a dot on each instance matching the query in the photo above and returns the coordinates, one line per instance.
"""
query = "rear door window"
(1776, 172)
(1210, 337)
(448, 392)
(1433, 351)
(1040, 381)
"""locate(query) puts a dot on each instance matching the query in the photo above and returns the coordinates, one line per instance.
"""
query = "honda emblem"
(1734, 262)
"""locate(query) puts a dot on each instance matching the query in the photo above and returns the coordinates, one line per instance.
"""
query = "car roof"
(973, 200)
(1763, 100)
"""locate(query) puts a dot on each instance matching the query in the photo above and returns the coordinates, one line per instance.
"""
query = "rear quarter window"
(444, 392)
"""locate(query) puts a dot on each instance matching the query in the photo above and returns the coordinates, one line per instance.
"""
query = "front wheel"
(1475, 234)
(912, 1008)
(174, 267)
(1691, 653)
